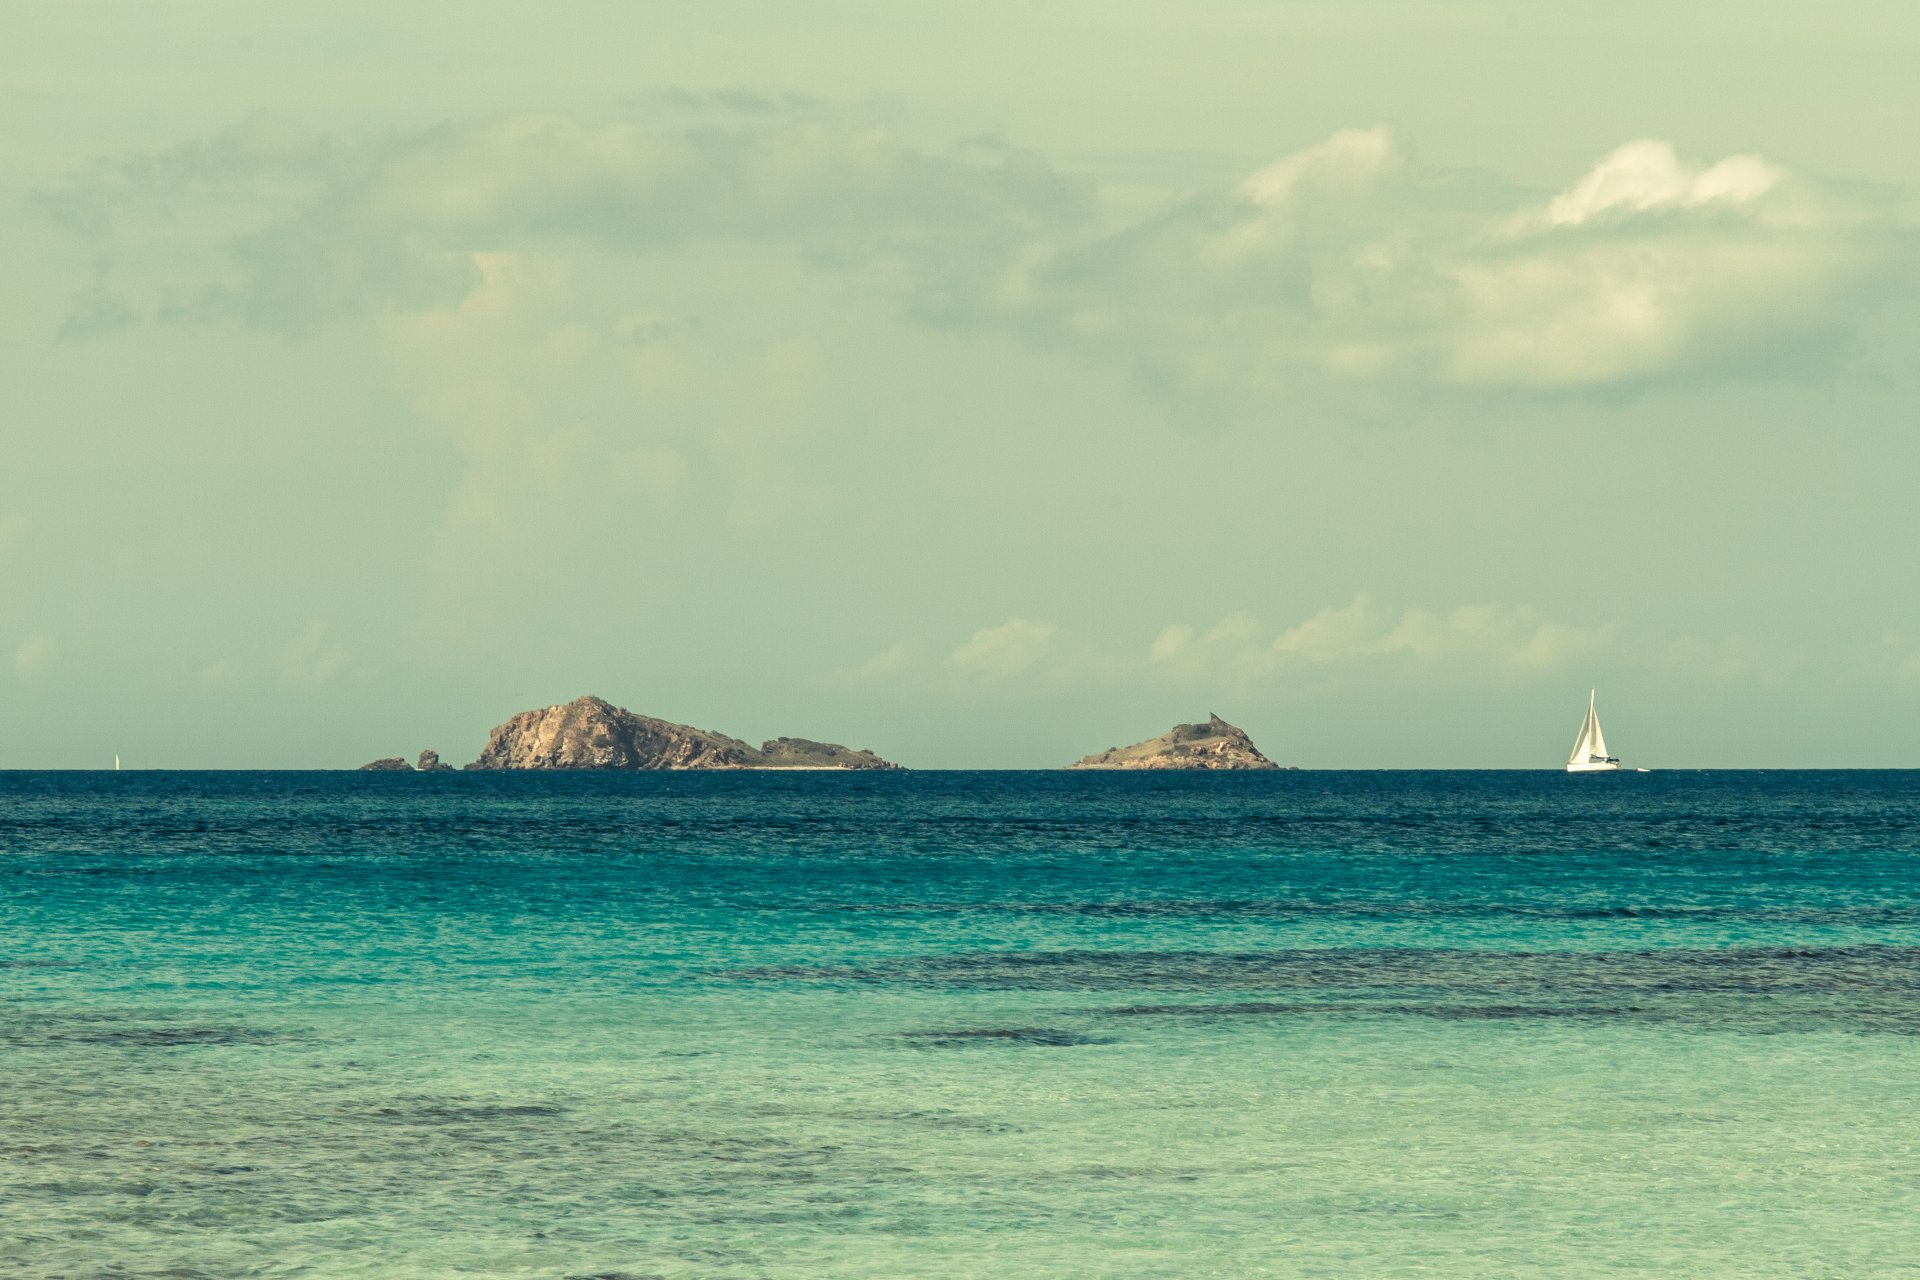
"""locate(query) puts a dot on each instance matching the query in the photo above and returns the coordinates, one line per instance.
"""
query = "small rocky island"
(429, 763)
(592, 733)
(1213, 745)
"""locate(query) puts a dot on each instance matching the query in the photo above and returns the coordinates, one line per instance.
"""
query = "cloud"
(1005, 651)
(94, 314)
(1648, 175)
(1238, 650)
(34, 655)
(1896, 655)
(1348, 260)
(891, 661)
(633, 182)
(313, 658)
(1729, 658)
(541, 391)
(1648, 267)
(280, 227)
(1272, 210)
(1361, 643)
(1365, 636)
(1345, 260)
(1515, 637)
(1171, 643)
(618, 317)
(1334, 633)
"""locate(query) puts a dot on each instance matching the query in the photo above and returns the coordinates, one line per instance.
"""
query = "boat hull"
(1612, 766)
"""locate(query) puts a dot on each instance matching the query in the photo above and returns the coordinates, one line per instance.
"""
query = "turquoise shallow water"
(955, 1025)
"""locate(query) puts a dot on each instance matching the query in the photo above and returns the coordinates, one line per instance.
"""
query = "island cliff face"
(592, 733)
(1213, 745)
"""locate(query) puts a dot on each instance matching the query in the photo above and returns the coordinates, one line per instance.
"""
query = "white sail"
(1583, 739)
(1590, 753)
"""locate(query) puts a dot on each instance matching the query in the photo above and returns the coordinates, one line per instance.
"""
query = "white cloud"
(637, 180)
(1646, 266)
(1345, 258)
(542, 396)
(313, 658)
(1171, 643)
(34, 655)
(613, 320)
(1348, 260)
(1333, 633)
(1360, 641)
(890, 661)
(1350, 160)
(1515, 636)
(279, 227)
(1728, 658)
(1648, 174)
(1272, 201)
(1238, 650)
(1005, 651)
(1364, 636)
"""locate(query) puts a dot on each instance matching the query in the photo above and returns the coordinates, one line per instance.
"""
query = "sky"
(985, 385)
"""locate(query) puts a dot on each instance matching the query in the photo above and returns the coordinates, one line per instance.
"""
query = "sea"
(1366, 1024)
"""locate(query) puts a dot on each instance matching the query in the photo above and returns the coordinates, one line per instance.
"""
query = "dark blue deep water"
(953, 1024)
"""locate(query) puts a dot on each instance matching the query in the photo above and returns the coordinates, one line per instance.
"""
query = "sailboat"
(1590, 748)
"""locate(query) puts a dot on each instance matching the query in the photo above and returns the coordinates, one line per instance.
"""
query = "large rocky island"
(1213, 745)
(592, 733)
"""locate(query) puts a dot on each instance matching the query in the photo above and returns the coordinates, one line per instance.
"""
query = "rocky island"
(429, 763)
(592, 733)
(1213, 745)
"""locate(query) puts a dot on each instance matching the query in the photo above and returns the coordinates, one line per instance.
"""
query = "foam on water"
(959, 1025)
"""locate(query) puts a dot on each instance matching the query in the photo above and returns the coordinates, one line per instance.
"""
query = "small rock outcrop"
(430, 763)
(387, 764)
(1213, 745)
(592, 733)
(803, 753)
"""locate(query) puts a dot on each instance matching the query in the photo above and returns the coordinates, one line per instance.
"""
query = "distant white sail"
(1596, 741)
(1590, 753)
